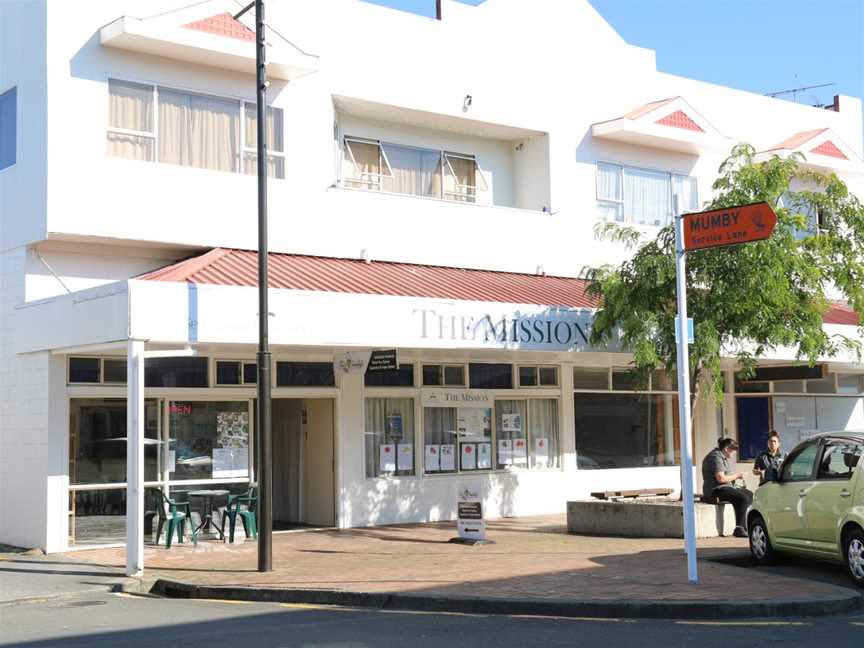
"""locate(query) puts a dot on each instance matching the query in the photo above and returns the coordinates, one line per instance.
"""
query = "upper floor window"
(153, 123)
(642, 196)
(8, 127)
(380, 166)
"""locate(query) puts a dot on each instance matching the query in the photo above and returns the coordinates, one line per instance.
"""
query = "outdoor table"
(207, 514)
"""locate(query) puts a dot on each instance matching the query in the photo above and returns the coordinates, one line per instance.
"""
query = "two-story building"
(434, 187)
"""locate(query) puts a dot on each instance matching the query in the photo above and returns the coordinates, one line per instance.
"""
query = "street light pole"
(265, 427)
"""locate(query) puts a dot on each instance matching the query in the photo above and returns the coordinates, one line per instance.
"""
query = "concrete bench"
(647, 519)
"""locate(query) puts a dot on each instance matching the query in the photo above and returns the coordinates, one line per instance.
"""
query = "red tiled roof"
(223, 25)
(830, 149)
(841, 314)
(230, 267)
(798, 139)
(680, 119)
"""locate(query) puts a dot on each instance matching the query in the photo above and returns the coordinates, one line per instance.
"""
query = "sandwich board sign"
(469, 514)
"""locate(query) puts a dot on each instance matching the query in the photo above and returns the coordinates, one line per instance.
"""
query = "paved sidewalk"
(533, 562)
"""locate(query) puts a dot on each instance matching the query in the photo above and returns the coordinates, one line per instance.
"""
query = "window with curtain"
(389, 437)
(8, 127)
(457, 439)
(154, 123)
(396, 168)
(527, 433)
(642, 196)
(440, 440)
(275, 141)
(131, 124)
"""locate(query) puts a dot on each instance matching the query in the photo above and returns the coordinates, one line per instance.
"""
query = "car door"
(786, 519)
(830, 497)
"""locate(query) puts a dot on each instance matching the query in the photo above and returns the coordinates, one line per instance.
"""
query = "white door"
(318, 465)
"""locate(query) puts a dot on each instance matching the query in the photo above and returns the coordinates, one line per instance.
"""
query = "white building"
(435, 188)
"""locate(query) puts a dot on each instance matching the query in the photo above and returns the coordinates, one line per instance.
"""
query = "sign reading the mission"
(383, 361)
(728, 226)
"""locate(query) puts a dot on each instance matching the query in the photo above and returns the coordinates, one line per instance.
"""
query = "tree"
(748, 299)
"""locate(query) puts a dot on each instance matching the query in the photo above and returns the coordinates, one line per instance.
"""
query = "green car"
(814, 507)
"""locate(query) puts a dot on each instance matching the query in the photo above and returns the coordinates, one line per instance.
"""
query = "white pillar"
(135, 458)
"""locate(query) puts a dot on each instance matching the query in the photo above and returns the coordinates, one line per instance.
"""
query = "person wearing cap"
(719, 483)
(768, 463)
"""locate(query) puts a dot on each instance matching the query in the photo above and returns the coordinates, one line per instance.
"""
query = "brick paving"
(532, 559)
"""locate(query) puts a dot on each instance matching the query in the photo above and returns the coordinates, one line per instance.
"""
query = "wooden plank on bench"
(641, 492)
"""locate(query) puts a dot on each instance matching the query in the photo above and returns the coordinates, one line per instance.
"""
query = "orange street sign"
(728, 226)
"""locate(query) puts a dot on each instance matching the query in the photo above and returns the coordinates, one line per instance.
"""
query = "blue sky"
(756, 45)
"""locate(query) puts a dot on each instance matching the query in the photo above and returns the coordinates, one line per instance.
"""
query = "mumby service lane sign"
(728, 226)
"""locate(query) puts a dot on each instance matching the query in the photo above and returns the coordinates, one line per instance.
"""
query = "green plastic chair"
(243, 505)
(176, 515)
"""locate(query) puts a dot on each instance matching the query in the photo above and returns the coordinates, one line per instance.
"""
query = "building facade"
(434, 189)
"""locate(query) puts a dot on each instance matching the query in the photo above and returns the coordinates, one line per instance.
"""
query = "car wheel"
(760, 545)
(855, 555)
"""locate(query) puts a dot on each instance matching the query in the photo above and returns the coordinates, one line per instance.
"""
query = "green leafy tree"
(747, 299)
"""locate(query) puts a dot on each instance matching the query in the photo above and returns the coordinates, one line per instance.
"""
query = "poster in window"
(473, 423)
(433, 458)
(484, 456)
(469, 456)
(230, 463)
(520, 452)
(505, 452)
(394, 426)
(541, 450)
(511, 422)
(387, 457)
(448, 456)
(405, 456)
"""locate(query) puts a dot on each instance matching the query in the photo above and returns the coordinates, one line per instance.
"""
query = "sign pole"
(683, 363)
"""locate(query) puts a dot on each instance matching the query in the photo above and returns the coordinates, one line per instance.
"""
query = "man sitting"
(719, 483)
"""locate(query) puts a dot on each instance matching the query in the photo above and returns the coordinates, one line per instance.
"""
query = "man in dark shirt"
(718, 483)
(768, 463)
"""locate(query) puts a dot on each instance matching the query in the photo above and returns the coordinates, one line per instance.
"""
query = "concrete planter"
(657, 519)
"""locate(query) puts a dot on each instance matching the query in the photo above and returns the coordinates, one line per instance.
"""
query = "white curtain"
(274, 137)
(462, 185)
(543, 424)
(609, 189)
(685, 187)
(130, 107)
(198, 131)
(362, 165)
(415, 171)
(648, 197)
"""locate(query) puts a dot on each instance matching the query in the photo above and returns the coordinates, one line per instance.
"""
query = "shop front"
(509, 398)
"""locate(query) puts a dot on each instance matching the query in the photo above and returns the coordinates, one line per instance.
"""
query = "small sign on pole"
(719, 227)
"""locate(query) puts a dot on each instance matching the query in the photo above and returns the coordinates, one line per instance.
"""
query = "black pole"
(265, 429)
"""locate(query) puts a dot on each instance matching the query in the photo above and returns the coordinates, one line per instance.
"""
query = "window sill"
(430, 199)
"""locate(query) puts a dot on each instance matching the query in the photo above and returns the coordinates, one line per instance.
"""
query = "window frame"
(443, 366)
(537, 383)
(464, 193)
(837, 442)
(5, 95)
(101, 381)
(622, 167)
(241, 131)
(242, 362)
(794, 455)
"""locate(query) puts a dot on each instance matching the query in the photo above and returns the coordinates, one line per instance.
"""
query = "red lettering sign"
(728, 226)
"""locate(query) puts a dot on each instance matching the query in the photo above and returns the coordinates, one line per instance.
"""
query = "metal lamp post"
(265, 428)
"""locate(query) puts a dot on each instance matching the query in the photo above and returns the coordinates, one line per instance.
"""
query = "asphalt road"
(126, 621)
